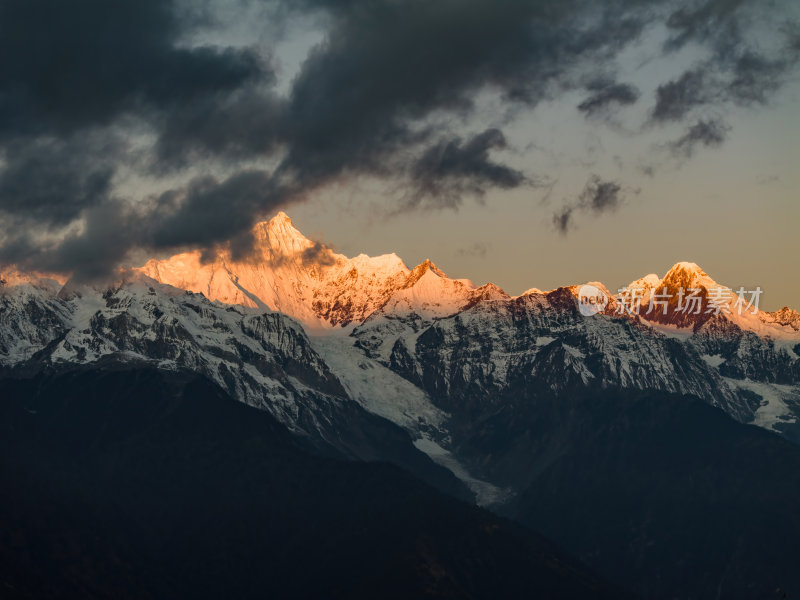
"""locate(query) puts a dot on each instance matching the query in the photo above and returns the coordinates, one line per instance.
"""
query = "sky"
(528, 143)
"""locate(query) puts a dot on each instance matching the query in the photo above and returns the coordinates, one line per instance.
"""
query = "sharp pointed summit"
(421, 270)
(687, 275)
(279, 239)
(291, 274)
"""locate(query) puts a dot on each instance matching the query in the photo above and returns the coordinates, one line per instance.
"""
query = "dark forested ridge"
(138, 484)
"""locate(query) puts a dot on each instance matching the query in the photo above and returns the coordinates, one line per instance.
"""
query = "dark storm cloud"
(597, 197)
(600, 196)
(755, 78)
(386, 65)
(109, 231)
(678, 97)
(607, 95)
(53, 180)
(452, 168)
(73, 75)
(233, 126)
(704, 21)
(387, 94)
(738, 71)
(708, 133)
(65, 66)
(792, 31)
(209, 211)
(562, 219)
(318, 254)
(368, 101)
(748, 79)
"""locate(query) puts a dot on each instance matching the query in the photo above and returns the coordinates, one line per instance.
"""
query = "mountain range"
(660, 447)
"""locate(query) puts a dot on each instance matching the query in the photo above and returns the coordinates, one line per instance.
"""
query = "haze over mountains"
(562, 422)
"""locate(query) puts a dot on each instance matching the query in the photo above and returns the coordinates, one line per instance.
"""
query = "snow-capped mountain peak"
(421, 270)
(785, 317)
(665, 300)
(278, 239)
(688, 298)
(645, 284)
(429, 274)
(687, 275)
(426, 294)
(11, 277)
(288, 273)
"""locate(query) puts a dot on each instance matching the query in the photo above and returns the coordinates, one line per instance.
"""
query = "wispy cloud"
(475, 250)
(607, 96)
(597, 197)
(708, 133)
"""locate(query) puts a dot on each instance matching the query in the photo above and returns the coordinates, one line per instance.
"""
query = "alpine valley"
(417, 426)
